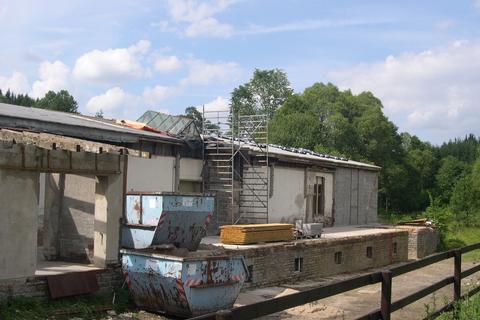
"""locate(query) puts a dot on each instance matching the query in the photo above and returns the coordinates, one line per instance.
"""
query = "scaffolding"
(236, 162)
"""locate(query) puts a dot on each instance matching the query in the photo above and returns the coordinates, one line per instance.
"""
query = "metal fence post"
(457, 277)
(386, 303)
(224, 315)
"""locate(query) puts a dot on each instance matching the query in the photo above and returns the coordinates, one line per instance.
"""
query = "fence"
(270, 306)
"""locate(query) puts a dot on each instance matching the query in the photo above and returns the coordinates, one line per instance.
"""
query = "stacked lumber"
(255, 233)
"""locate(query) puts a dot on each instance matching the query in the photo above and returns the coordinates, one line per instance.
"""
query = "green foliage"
(86, 307)
(17, 99)
(467, 309)
(197, 116)
(266, 91)
(58, 101)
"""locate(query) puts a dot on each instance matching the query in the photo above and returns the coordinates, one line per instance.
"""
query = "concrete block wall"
(37, 287)
(355, 193)
(422, 241)
(273, 265)
(77, 217)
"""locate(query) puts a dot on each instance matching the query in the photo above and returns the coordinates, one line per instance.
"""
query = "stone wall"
(314, 259)
(37, 287)
(422, 241)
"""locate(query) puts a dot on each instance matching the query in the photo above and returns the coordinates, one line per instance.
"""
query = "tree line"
(415, 176)
(57, 101)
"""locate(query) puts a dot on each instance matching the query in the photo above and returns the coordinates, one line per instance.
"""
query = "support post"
(457, 277)
(386, 303)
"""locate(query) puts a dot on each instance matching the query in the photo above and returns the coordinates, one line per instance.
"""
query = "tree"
(450, 171)
(61, 101)
(266, 91)
(16, 99)
(99, 114)
(193, 113)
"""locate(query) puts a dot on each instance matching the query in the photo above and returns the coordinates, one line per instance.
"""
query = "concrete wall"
(422, 241)
(155, 174)
(18, 223)
(191, 169)
(288, 201)
(76, 219)
(355, 196)
(274, 265)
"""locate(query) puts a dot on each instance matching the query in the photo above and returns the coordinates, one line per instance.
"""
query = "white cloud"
(118, 102)
(112, 64)
(198, 17)
(218, 104)
(112, 101)
(434, 92)
(305, 25)
(202, 73)
(153, 96)
(17, 83)
(165, 64)
(53, 76)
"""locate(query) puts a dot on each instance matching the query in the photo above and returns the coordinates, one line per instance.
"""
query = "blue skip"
(183, 286)
(154, 219)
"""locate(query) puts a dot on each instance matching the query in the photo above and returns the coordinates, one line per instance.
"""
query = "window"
(298, 265)
(250, 273)
(394, 248)
(369, 252)
(319, 197)
(338, 257)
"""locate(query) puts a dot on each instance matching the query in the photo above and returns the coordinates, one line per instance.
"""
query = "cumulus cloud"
(166, 64)
(218, 104)
(17, 83)
(153, 96)
(112, 64)
(197, 17)
(118, 102)
(112, 101)
(202, 73)
(53, 76)
(434, 92)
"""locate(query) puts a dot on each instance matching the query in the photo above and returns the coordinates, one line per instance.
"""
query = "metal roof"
(74, 125)
(299, 153)
(176, 125)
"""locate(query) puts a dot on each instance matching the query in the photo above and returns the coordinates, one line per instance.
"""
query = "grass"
(86, 307)
(467, 309)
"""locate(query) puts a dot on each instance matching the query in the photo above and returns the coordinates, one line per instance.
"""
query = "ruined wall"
(273, 265)
(37, 287)
(356, 193)
(288, 200)
(18, 223)
(422, 241)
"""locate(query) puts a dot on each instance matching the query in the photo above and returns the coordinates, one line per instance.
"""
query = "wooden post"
(386, 303)
(457, 278)
(224, 315)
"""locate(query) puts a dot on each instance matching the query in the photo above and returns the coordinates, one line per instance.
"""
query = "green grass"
(86, 307)
(467, 309)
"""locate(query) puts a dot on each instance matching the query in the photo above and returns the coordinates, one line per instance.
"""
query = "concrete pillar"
(18, 223)
(54, 190)
(109, 197)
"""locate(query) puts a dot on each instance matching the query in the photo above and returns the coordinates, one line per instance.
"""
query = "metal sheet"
(74, 283)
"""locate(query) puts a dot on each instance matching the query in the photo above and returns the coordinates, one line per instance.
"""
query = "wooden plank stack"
(256, 233)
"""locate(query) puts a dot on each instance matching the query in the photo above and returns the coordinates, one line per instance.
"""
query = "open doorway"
(66, 216)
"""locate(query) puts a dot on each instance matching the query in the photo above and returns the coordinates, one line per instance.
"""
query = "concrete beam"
(29, 157)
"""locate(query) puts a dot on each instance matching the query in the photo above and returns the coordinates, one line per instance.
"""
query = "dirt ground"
(355, 303)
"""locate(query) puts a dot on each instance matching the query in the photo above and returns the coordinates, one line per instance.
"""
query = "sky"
(421, 58)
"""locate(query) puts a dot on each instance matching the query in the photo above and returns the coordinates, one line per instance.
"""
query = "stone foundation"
(37, 287)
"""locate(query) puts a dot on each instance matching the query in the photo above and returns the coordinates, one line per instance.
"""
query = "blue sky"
(422, 58)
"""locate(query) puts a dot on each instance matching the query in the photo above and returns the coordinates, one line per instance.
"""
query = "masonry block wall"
(314, 259)
(422, 241)
(37, 287)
